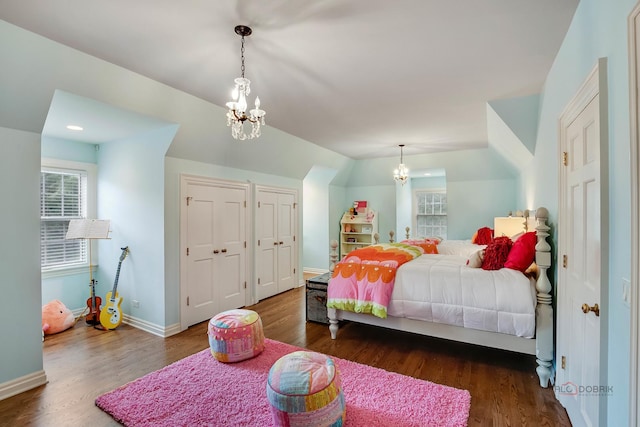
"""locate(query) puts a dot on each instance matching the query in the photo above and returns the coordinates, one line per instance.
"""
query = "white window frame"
(414, 209)
(91, 170)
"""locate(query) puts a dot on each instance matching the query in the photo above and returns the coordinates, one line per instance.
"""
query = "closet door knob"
(223, 251)
(215, 251)
(586, 309)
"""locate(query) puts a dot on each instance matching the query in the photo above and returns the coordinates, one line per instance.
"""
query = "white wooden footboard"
(541, 346)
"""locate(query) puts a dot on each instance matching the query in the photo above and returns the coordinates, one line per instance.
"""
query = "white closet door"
(267, 224)
(276, 221)
(213, 248)
(201, 265)
(231, 280)
(286, 241)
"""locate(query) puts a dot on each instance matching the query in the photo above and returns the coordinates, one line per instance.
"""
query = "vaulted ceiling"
(357, 77)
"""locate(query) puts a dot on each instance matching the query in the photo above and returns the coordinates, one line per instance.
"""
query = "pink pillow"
(429, 246)
(523, 252)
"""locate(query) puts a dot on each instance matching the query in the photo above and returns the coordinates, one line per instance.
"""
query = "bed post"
(333, 255)
(544, 310)
(331, 312)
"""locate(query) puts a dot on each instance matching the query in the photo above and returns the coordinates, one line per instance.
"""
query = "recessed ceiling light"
(74, 127)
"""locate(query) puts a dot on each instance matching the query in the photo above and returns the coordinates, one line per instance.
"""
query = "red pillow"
(483, 236)
(496, 253)
(523, 252)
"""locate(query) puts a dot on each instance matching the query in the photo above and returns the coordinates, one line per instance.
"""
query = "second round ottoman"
(304, 389)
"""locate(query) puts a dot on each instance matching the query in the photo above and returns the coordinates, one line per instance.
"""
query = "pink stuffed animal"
(56, 317)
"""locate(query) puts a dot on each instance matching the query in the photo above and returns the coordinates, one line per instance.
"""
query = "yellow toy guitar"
(111, 314)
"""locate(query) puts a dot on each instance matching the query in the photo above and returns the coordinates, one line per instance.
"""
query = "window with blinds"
(431, 214)
(63, 197)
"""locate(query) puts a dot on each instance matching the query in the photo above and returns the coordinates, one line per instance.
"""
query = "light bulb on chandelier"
(237, 114)
(401, 173)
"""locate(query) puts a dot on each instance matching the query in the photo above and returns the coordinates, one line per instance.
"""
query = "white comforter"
(441, 288)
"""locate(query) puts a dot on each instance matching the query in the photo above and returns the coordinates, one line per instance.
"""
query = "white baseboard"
(152, 328)
(317, 271)
(22, 384)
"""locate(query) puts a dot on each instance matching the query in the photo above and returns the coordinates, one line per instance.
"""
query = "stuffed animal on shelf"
(370, 215)
(56, 317)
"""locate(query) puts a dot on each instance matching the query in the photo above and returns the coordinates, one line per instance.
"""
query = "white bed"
(438, 295)
(442, 289)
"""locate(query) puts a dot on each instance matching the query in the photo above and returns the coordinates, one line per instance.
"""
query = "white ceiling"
(358, 77)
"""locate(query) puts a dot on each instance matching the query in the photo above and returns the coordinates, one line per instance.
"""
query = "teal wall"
(56, 148)
(316, 220)
(474, 204)
(337, 205)
(131, 196)
(20, 306)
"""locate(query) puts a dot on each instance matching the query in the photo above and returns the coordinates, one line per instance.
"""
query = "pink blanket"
(363, 281)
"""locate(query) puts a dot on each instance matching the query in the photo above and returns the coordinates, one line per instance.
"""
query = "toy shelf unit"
(356, 231)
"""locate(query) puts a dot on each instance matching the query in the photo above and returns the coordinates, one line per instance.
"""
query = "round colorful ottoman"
(304, 389)
(236, 335)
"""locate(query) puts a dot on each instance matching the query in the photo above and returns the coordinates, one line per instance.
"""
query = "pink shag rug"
(200, 391)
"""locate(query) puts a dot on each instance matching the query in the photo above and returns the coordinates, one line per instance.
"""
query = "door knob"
(275, 243)
(215, 251)
(223, 250)
(280, 243)
(586, 309)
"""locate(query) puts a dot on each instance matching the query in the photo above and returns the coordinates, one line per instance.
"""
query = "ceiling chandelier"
(401, 174)
(237, 114)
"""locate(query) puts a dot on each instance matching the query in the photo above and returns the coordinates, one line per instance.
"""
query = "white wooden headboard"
(512, 225)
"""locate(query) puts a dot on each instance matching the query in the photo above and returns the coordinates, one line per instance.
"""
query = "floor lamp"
(90, 229)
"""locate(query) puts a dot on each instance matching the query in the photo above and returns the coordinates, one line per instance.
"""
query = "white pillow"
(516, 236)
(475, 260)
(463, 248)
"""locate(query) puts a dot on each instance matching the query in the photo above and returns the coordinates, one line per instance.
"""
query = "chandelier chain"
(242, 57)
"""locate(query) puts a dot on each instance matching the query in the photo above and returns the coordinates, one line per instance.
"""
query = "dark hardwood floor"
(83, 362)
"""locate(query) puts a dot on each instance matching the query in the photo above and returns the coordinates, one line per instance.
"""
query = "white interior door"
(580, 273)
(231, 279)
(213, 246)
(267, 262)
(201, 264)
(286, 241)
(276, 246)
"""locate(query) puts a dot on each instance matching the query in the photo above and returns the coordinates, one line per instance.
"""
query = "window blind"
(62, 198)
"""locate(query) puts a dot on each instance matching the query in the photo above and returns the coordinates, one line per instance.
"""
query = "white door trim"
(634, 356)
